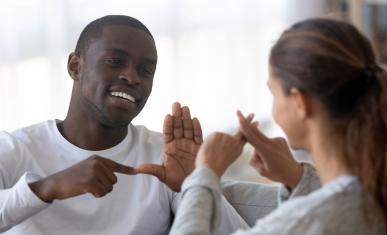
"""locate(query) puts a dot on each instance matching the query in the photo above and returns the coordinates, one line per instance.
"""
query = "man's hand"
(94, 175)
(271, 157)
(182, 139)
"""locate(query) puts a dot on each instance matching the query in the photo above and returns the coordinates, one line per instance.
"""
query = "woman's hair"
(333, 62)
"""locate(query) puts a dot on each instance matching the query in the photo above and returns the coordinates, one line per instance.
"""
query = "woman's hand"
(218, 151)
(271, 157)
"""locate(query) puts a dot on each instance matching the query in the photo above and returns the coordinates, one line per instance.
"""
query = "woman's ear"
(302, 103)
(74, 66)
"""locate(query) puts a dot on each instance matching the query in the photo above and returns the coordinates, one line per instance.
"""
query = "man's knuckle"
(90, 180)
(95, 165)
(110, 189)
(114, 179)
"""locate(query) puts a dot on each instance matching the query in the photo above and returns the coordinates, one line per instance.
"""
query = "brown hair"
(333, 62)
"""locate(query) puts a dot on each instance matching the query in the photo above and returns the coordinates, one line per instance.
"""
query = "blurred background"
(213, 56)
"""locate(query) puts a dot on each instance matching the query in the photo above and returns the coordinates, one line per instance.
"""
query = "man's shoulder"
(35, 131)
(14, 146)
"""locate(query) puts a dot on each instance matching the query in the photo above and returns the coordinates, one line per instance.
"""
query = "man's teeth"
(123, 95)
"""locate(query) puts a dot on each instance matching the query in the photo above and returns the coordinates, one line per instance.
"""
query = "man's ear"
(302, 103)
(74, 66)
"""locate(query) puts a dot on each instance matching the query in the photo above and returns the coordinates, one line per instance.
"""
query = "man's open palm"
(182, 139)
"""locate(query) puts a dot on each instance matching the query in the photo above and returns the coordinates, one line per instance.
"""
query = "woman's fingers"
(258, 163)
(251, 132)
(239, 135)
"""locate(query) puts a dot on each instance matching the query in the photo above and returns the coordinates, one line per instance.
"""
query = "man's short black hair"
(94, 29)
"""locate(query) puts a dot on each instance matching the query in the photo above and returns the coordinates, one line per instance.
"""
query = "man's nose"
(130, 75)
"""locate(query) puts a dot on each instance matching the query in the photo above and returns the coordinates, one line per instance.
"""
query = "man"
(57, 177)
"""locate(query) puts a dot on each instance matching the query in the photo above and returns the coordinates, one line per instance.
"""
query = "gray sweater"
(335, 208)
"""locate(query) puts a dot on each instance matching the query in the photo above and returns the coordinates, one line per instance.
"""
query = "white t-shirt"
(138, 204)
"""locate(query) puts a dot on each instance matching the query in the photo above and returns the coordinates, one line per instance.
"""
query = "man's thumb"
(152, 169)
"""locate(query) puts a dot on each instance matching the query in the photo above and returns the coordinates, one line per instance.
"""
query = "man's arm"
(94, 175)
(25, 196)
(19, 202)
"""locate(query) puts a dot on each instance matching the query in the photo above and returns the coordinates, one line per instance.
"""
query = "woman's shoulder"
(338, 207)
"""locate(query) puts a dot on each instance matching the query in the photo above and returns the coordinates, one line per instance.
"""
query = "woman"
(330, 99)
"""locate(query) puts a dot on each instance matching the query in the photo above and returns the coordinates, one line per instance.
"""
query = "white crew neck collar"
(119, 148)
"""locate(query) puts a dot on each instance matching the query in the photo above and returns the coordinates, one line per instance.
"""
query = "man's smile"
(123, 95)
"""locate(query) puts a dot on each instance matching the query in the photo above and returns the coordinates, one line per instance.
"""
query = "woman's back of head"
(333, 62)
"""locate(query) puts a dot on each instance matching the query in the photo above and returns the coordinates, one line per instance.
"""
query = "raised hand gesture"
(182, 139)
(271, 157)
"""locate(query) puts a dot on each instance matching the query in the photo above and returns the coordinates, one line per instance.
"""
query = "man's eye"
(146, 72)
(114, 61)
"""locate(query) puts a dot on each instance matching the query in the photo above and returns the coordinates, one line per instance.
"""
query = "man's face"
(116, 75)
